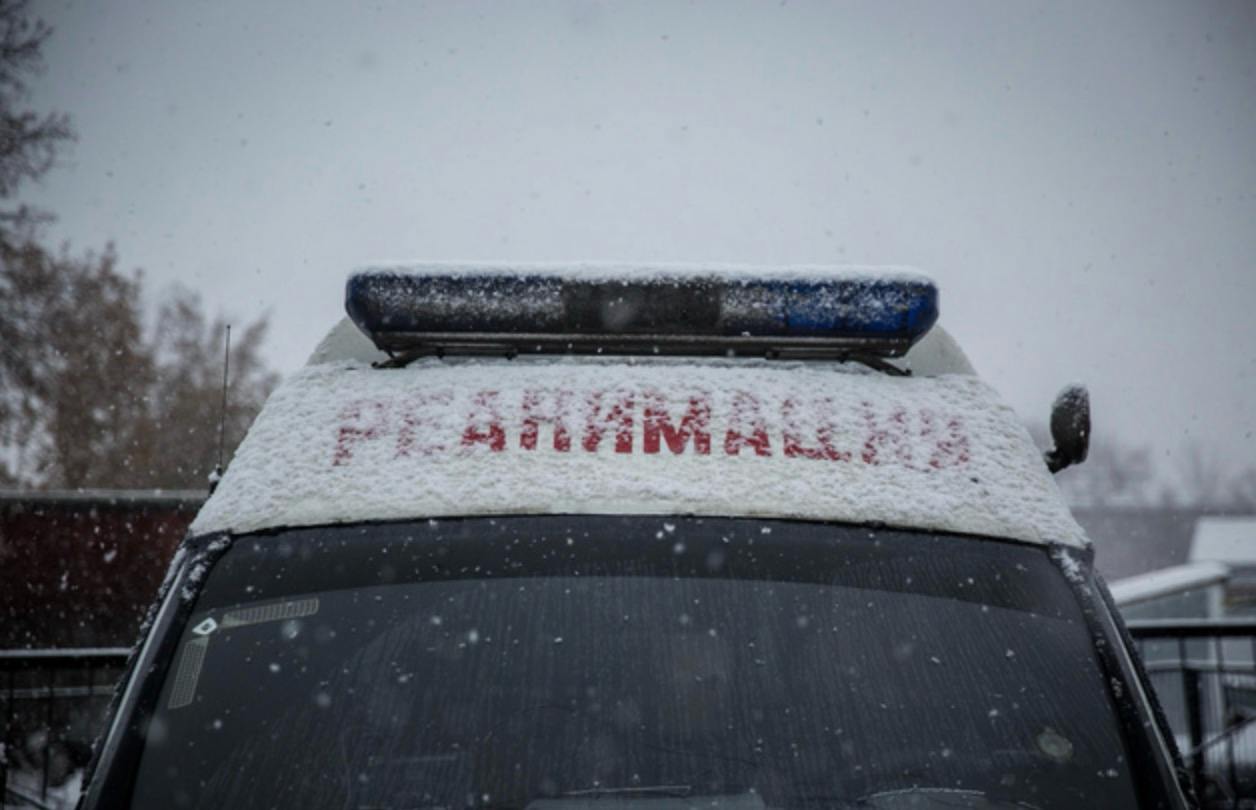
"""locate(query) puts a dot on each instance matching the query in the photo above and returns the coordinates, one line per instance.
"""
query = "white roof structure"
(1168, 581)
(1229, 540)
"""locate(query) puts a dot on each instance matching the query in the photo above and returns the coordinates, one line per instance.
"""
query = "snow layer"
(345, 342)
(1167, 581)
(624, 271)
(342, 442)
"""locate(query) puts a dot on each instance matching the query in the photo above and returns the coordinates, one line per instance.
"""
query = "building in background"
(78, 571)
(81, 568)
(1215, 580)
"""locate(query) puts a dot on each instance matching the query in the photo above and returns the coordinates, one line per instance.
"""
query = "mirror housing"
(1070, 428)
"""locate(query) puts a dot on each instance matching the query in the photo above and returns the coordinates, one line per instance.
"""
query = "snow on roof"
(1225, 539)
(1168, 581)
(616, 271)
(341, 442)
(345, 343)
(935, 354)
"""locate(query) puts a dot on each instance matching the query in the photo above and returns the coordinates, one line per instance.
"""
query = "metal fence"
(1204, 672)
(53, 705)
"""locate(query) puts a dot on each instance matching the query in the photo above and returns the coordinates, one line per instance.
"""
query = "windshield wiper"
(936, 796)
(670, 791)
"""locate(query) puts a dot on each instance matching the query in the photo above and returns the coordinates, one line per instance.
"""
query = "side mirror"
(1070, 428)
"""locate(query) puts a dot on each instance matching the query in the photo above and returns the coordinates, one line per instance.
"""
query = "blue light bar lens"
(858, 307)
(394, 308)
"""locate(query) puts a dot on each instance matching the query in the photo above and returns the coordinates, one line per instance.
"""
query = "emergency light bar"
(495, 311)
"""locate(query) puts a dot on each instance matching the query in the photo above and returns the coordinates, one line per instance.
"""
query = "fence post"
(49, 675)
(4, 741)
(1195, 724)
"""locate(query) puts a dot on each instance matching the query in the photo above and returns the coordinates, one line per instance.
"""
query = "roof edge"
(190, 498)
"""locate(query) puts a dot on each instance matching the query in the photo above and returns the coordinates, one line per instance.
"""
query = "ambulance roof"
(342, 442)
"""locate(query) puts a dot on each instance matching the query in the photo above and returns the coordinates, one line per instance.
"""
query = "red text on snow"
(628, 422)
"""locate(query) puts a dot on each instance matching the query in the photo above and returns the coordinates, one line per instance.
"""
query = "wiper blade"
(671, 791)
(935, 796)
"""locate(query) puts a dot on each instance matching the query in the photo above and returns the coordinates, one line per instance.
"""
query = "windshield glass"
(555, 663)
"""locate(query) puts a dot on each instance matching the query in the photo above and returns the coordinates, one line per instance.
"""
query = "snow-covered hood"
(340, 442)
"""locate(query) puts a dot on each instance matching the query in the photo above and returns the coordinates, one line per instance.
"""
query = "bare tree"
(1120, 474)
(1202, 476)
(29, 141)
(1243, 490)
(91, 370)
(87, 399)
(28, 146)
(1114, 473)
(187, 348)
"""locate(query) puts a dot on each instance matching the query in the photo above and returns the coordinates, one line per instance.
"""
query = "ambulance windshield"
(644, 663)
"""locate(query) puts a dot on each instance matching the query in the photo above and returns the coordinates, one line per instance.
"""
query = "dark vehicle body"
(582, 539)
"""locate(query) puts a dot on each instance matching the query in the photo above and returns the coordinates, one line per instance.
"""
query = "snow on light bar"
(772, 314)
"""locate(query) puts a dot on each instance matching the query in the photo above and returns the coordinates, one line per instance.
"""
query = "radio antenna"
(216, 475)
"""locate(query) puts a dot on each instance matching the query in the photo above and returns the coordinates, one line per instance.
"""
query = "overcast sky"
(1080, 178)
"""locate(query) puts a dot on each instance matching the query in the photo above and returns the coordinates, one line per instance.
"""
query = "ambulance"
(595, 537)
